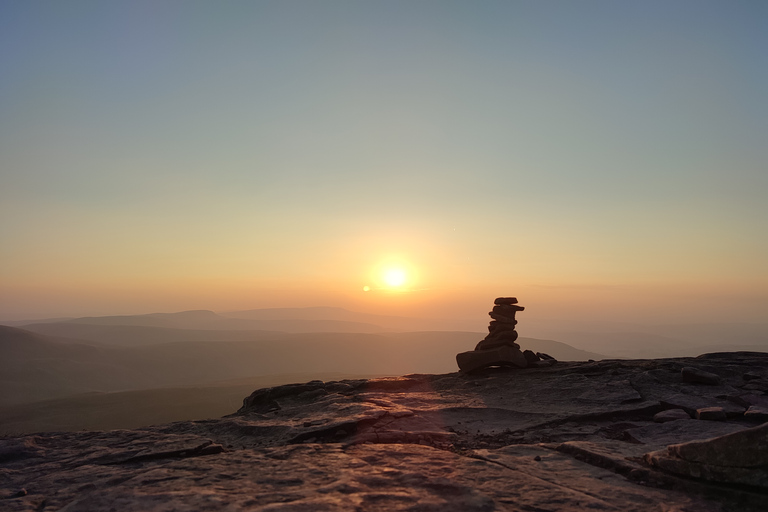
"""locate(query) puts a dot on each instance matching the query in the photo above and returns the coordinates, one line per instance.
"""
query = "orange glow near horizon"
(410, 179)
(654, 303)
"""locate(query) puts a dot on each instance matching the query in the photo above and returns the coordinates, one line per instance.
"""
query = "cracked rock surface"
(573, 436)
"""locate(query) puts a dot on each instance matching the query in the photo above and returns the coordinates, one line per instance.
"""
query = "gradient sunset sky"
(603, 159)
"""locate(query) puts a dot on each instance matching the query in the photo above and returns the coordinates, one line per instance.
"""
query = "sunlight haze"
(600, 160)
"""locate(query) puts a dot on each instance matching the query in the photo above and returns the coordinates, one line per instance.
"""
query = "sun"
(392, 275)
(395, 277)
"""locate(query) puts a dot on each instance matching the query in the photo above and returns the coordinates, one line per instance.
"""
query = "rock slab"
(503, 355)
(737, 458)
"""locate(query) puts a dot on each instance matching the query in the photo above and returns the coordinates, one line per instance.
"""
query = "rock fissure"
(551, 481)
(206, 448)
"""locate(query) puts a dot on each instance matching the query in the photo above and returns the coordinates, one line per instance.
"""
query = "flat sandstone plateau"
(574, 436)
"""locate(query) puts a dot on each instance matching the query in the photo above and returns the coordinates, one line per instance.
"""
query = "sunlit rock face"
(573, 436)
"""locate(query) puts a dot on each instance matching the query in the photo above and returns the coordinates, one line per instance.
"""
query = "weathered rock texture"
(737, 458)
(575, 436)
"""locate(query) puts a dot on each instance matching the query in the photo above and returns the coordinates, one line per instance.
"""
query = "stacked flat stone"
(499, 347)
(501, 329)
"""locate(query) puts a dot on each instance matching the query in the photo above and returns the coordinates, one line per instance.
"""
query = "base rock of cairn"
(499, 347)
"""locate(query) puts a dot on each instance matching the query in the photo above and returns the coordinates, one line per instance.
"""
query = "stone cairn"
(499, 347)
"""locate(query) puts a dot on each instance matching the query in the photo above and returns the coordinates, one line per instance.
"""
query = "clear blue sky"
(227, 155)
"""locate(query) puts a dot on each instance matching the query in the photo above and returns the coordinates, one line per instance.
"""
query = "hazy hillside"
(653, 341)
(37, 367)
(135, 335)
(723, 335)
(633, 345)
(560, 351)
(131, 409)
(384, 322)
(208, 320)
(613, 339)
(312, 319)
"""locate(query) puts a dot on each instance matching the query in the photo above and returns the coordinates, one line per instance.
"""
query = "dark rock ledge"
(607, 435)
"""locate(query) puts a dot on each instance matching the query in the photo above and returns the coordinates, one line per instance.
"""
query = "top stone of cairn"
(505, 301)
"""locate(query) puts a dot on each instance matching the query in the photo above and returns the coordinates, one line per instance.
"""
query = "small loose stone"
(757, 413)
(530, 356)
(710, 413)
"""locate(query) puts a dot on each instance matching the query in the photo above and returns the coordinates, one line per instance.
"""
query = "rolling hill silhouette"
(39, 367)
(208, 320)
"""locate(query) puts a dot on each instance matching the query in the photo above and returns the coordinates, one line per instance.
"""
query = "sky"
(596, 159)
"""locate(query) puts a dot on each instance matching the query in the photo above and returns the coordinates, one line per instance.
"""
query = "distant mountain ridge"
(385, 322)
(655, 341)
(208, 320)
(612, 339)
(137, 335)
(307, 313)
(309, 319)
